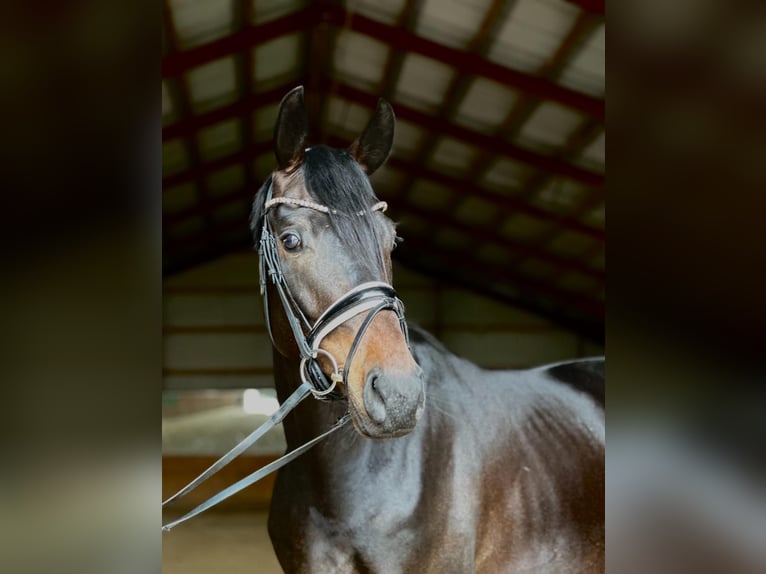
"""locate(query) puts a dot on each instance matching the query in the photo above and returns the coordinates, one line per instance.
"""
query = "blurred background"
(496, 179)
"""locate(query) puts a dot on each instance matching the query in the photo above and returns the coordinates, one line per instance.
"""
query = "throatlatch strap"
(256, 476)
(300, 393)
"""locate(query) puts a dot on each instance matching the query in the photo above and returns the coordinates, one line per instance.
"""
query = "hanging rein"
(371, 298)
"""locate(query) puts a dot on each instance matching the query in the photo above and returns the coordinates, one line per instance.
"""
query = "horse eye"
(291, 241)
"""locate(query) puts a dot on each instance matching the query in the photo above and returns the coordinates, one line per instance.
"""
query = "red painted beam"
(592, 328)
(511, 204)
(594, 6)
(180, 62)
(515, 247)
(456, 260)
(398, 39)
(418, 171)
(209, 206)
(188, 126)
(469, 63)
(203, 170)
(470, 189)
(519, 248)
(488, 143)
(453, 258)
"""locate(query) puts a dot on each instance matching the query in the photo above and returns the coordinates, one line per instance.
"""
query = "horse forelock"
(333, 178)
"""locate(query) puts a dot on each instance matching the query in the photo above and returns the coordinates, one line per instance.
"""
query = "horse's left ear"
(372, 148)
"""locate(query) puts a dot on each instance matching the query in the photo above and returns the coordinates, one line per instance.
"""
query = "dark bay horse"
(447, 467)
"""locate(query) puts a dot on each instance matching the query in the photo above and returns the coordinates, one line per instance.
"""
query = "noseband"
(371, 298)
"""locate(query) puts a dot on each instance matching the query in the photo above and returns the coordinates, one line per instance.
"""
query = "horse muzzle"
(392, 402)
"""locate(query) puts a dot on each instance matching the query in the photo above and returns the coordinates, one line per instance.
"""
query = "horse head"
(331, 247)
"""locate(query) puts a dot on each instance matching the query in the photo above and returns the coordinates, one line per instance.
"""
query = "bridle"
(371, 298)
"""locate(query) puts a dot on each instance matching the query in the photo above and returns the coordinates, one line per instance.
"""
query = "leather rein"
(371, 298)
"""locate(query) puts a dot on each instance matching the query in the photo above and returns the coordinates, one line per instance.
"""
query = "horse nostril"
(372, 379)
(374, 401)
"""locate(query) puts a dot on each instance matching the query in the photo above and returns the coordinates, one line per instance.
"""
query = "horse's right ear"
(291, 130)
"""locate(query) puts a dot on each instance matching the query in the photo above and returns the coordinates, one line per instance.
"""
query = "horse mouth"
(390, 427)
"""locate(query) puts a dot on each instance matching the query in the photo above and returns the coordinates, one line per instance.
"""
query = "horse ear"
(291, 129)
(372, 148)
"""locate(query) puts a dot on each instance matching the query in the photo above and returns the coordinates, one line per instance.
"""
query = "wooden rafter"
(591, 328)
(459, 85)
(243, 16)
(179, 93)
(516, 247)
(594, 6)
(461, 265)
(397, 39)
(506, 202)
(496, 145)
(525, 106)
(393, 69)
(504, 276)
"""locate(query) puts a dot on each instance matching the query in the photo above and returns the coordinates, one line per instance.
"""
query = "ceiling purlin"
(248, 37)
(468, 63)
(491, 144)
(583, 27)
(594, 6)
(493, 20)
(521, 110)
(461, 80)
(243, 16)
(502, 201)
(237, 196)
(406, 21)
(243, 107)
(487, 143)
(593, 328)
(397, 39)
(239, 157)
(179, 92)
(419, 171)
(461, 266)
(320, 46)
(482, 233)
(489, 274)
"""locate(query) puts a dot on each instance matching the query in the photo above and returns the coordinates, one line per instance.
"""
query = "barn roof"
(497, 173)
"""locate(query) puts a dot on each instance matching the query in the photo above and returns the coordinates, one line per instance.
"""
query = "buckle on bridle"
(336, 376)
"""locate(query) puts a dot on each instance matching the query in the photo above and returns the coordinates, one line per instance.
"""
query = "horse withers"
(448, 467)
